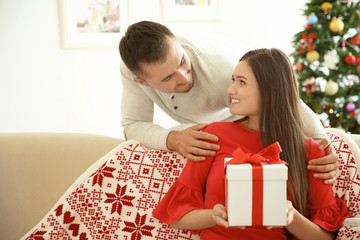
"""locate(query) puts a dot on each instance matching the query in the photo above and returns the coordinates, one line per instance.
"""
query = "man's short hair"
(145, 42)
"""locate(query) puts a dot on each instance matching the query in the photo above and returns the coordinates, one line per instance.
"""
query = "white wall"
(44, 88)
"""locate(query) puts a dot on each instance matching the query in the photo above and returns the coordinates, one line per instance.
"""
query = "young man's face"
(172, 75)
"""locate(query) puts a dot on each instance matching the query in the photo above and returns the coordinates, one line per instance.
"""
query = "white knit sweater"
(212, 65)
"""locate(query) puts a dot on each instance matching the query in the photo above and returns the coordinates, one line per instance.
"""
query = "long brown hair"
(280, 118)
(146, 42)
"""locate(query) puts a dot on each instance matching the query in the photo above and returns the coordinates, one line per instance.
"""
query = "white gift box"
(241, 203)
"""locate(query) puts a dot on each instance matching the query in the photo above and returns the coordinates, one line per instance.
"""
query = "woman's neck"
(251, 123)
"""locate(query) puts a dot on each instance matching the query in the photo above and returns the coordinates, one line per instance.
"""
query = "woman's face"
(244, 92)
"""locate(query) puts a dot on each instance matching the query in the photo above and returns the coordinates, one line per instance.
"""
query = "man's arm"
(137, 112)
(327, 166)
(190, 142)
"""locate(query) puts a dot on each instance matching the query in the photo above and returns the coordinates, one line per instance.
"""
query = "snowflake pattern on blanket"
(116, 200)
(347, 183)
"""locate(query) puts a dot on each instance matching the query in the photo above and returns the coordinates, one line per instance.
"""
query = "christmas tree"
(327, 60)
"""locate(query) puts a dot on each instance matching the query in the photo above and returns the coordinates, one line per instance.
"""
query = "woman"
(264, 89)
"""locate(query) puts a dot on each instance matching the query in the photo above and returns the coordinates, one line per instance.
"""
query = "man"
(188, 82)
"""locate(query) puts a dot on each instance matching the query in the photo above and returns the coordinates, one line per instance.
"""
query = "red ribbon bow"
(270, 154)
(355, 40)
(309, 40)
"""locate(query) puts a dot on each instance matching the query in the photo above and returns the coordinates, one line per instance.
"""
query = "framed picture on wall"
(92, 23)
(190, 10)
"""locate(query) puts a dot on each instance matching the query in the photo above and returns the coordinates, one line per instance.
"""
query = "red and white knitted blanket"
(114, 198)
(347, 184)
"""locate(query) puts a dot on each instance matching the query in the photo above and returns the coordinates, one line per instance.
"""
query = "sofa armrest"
(31, 164)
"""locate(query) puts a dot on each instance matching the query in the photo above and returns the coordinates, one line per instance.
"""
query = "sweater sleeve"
(137, 111)
(186, 194)
(324, 209)
(313, 126)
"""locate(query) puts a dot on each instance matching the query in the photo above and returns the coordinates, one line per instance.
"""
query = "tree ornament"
(350, 59)
(350, 80)
(331, 88)
(312, 19)
(350, 107)
(326, 6)
(299, 66)
(336, 25)
(310, 85)
(307, 40)
(331, 59)
(358, 118)
(358, 63)
(312, 56)
(355, 40)
(308, 27)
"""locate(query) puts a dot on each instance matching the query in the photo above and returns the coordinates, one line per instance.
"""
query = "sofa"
(31, 164)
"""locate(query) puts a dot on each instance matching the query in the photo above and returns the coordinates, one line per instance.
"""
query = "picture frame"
(96, 24)
(190, 10)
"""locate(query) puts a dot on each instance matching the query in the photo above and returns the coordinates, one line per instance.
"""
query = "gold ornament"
(326, 6)
(336, 25)
(331, 88)
(312, 56)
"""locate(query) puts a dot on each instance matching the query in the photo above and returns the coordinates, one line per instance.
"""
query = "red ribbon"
(309, 40)
(268, 155)
(355, 40)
